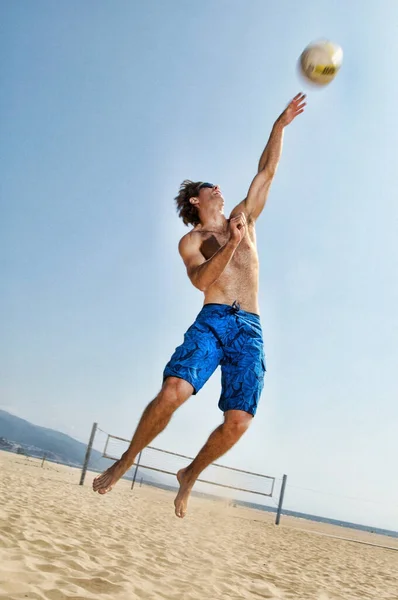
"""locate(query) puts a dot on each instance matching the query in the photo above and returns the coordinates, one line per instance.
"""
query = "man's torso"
(239, 281)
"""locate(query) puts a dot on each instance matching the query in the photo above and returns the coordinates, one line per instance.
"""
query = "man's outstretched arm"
(269, 160)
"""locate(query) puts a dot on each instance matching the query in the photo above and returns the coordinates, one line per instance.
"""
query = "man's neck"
(217, 223)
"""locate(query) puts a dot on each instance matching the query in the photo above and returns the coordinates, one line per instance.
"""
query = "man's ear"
(194, 200)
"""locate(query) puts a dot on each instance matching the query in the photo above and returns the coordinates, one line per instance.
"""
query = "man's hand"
(237, 228)
(294, 108)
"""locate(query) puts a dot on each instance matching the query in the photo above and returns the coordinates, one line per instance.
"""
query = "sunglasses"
(205, 184)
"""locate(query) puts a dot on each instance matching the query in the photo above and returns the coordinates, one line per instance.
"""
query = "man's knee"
(174, 392)
(237, 422)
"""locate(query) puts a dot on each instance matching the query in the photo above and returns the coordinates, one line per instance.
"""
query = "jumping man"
(221, 259)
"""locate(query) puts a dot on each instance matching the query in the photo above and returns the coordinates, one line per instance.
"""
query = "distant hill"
(18, 435)
(40, 439)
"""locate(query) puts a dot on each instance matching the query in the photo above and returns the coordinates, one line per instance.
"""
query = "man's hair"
(187, 211)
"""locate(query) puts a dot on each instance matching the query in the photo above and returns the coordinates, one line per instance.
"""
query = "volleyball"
(321, 61)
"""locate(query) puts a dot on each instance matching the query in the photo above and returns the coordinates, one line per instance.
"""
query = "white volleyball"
(321, 61)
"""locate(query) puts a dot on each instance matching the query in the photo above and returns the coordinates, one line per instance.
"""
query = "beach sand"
(59, 540)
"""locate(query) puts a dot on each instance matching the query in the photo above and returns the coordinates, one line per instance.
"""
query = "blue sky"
(105, 108)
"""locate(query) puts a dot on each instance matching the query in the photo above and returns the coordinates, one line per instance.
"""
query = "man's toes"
(96, 484)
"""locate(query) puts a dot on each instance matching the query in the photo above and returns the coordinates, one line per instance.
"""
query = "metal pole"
(106, 445)
(88, 453)
(278, 514)
(136, 469)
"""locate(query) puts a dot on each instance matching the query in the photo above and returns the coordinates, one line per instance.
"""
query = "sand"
(59, 540)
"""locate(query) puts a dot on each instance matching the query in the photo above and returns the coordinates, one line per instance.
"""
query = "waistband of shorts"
(229, 307)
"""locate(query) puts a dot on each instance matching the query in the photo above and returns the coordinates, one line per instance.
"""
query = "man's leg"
(155, 417)
(220, 441)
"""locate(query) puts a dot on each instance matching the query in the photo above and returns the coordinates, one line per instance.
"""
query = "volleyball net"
(158, 467)
(169, 463)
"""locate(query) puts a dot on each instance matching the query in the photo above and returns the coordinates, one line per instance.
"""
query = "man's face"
(210, 194)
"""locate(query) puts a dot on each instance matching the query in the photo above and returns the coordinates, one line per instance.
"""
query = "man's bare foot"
(105, 482)
(181, 501)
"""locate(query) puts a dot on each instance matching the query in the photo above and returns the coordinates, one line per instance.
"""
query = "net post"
(88, 453)
(106, 445)
(282, 494)
(136, 469)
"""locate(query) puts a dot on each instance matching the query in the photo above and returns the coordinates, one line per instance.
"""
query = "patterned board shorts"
(228, 336)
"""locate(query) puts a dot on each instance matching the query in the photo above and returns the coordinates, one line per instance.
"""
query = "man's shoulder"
(191, 236)
(241, 209)
(189, 240)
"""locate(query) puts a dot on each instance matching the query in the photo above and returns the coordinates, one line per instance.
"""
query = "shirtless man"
(221, 259)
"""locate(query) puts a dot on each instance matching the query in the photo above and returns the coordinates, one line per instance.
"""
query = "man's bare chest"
(244, 255)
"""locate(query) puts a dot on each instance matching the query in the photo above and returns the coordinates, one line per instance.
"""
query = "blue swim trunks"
(228, 336)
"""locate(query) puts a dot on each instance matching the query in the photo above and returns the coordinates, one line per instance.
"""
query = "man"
(221, 260)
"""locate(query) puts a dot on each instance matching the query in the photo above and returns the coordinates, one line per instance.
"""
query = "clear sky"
(104, 109)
